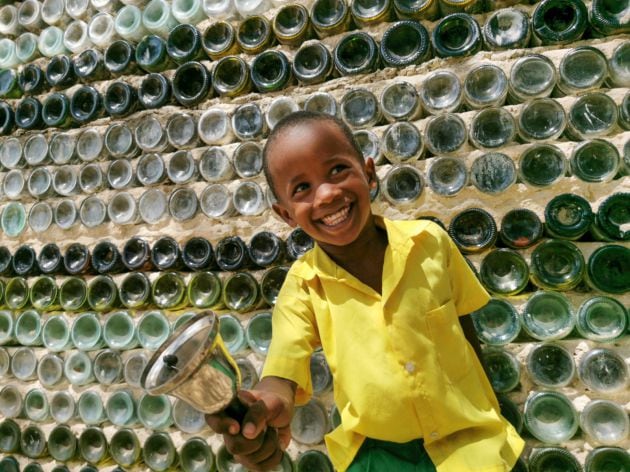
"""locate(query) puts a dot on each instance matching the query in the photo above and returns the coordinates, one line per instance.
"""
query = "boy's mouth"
(336, 217)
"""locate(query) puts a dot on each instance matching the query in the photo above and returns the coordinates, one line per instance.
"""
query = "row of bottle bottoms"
(592, 115)
(554, 22)
(604, 422)
(441, 91)
(157, 452)
(231, 253)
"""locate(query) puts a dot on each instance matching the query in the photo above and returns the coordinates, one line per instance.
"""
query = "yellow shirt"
(401, 365)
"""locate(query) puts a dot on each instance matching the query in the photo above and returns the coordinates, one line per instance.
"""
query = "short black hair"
(299, 118)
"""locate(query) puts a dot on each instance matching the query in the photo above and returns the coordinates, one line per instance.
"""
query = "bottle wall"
(198, 224)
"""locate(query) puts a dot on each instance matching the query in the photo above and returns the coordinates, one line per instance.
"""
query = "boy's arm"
(266, 432)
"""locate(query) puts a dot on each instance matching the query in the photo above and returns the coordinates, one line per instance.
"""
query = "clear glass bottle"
(601, 319)
(150, 135)
(550, 417)
(473, 230)
(497, 323)
(50, 42)
(78, 368)
(559, 22)
(14, 184)
(248, 122)
(321, 102)
(568, 216)
(28, 325)
(403, 185)
(128, 23)
(456, 35)
(550, 365)
(541, 119)
(618, 70)
(6, 328)
(309, 423)
(532, 76)
(188, 419)
(591, 116)
(181, 168)
(9, 20)
(400, 101)
(402, 143)
(507, 28)
(214, 128)
(278, 109)
(120, 175)
(548, 316)
(520, 228)
(605, 422)
(26, 47)
(11, 402)
(157, 17)
(50, 370)
(504, 272)
(152, 205)
(486, 85)
(133, 368)
(493, 173)
(542, 165)
(181, 131)
(370, 145)
(603, 370)
(183, 204)
(249, 199)
(441, 92)
(204, 290)
(360, 109)
(258, 333)
(247, 160)
(56, 334)
(120, 408)
(597, 160)
(153, 329)
(150, 169)
(108, 367)
(75, 37)
(582, 69)
(24, 364)
(62, 406)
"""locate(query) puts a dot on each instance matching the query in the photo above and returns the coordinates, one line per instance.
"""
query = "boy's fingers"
(223, 424)
(255, 420)
(267, 448)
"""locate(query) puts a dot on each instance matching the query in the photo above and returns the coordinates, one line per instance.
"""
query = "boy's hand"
(265, 434)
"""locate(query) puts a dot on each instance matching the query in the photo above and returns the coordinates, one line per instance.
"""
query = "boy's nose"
(327, 193)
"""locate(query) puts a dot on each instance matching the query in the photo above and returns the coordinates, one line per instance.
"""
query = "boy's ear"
(370, 171)
(283, 213)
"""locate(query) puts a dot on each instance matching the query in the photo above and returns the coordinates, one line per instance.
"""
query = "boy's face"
(320, 183)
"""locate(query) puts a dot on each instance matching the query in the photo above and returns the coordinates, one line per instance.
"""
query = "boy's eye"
(338, 168)
(299, 188)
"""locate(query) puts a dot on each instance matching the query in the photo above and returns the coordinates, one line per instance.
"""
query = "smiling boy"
(388, 303)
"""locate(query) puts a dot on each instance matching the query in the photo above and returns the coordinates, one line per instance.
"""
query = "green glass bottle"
(356, 53)
(405, 43)
(169, 291)
(330, 17)
(270, 71)
(456, 35)
(292, 25)
(605, 422)
(10, 84)
(547, 316)
(102, 294)
(497, 323)
(417, 10)
(553, 458)
(73, 294)
(520, 228)
(204, 290)
(493, 172)
(504, 272)
(16, 293)
(33, 442)
(62, 443)
(312, 459)
(602, 459)
(271, 283)
(473, 230)
(568, 216)
(196, 456)
(158, 452)
(559, 21)
(93, 446)
(125, 448)
(231, 76)
(597, 160)
(550, 417)
(613, 216)
(241, 292)
(56, 111)
(503, 369)
(219, 40)
(254, 35)
(542, 165)
(135, 290)
(557, 265)
(608, 18)
(152, 55)
(550, 365)
(609, 269)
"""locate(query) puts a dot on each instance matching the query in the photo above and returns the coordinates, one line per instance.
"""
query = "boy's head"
(319, 177)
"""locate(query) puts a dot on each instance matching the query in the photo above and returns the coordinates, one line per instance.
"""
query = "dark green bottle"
(89, 66)
(86, 104)
(10, 84)
(557, 265)
(32, 80)
(231, 76)
(609, 269)
(7, 119)
(520, 228)
(553, 458)
(356, 53)
(330, 17)
(60, 72)
(155, 91)
(120, 58)
(151, 54)
(121, 99)
(292, 25)
(473, 230)
(191, 83)
(559, 21)
(609, 17)
(542, 165)
(184, 44)
(613, 217)
(254, 35)
(312, 64)
(56, 111)
(219, 40)
(417, 10)
(456, 35)
(568, 216)
(271, 71)
(405, 43)
(28, 114)
(602, 459)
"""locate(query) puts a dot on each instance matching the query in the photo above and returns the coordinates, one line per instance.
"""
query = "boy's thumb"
(255, 420)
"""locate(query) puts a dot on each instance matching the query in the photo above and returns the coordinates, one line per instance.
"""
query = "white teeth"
(336, 217)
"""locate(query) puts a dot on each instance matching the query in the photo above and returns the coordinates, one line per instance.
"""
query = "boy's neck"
(364, 257)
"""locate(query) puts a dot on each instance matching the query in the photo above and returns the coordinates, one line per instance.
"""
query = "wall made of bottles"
(131, 196)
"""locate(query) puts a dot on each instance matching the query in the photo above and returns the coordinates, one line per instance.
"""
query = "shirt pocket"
(450, 343)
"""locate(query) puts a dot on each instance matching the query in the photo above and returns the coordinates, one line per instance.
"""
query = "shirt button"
(410, 367)
(434, 435)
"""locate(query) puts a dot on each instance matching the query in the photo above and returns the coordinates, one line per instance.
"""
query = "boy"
(384, 299)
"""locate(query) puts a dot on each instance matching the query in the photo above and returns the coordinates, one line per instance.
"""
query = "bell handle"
(236, 409)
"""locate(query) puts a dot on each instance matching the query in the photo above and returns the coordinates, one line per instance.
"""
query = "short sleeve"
(294, 337)
(468, 293)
